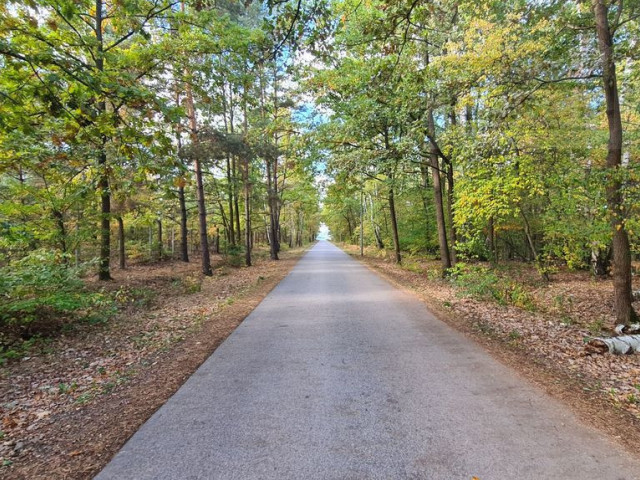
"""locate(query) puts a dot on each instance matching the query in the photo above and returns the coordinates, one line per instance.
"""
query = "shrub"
(39, 294)
(480, 282)
(235, 256)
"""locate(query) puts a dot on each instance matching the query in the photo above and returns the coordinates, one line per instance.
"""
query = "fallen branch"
(624, 345)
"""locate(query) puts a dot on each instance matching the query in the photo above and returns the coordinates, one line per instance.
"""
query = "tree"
(617, 212)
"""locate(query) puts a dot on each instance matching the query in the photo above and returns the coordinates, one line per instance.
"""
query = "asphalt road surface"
(339, 375)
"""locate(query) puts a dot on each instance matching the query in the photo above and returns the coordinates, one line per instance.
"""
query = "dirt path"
(67, 408)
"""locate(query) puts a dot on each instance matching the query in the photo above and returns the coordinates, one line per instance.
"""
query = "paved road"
(338, 375)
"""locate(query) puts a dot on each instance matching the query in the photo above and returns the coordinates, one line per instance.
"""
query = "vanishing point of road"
(339, 375)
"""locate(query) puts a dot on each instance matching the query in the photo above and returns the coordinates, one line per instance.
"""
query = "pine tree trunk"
(184, 232)
(236, 202)
(104, 272)
(248, 237)
(202, 209)
(232, 233)
(274, 246)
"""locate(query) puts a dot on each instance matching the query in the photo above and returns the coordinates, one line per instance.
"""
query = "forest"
(137, 131)
(489, 131)
(140, 130)
(164, 163)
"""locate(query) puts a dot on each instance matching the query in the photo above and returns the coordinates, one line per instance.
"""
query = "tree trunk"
(184, 232)
(62, 232)
(621, 251)
(104, 272)
(361, 222)
(236, 203)
(248, 244)
(159, 225)
(121, 245)
(375, 226)
(232, 233)
(437, 196)
(453, 237)
(424, 174)
(202, 209)
(216, 243)
(492, 240)
(274, 246)
(600, 261)
(247, 214)
(394, 225)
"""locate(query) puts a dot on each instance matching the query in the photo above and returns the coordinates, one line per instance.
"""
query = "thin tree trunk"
(159, 226)
(361, 222)
(453, 236)
(78, 250)
(150, 238)
(62, 232)
(437, 196)
(375, 226)
(121, 245)
(392, 203)
(492, 240)
(202, 209)
(184, 232)
(424, 173)
(247, 187)
(621, 250)
(530, 243)
(394, 225)
(232, 233)
(104, 272)
(236, 203)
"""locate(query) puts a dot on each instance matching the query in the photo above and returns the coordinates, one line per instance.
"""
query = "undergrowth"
(42, 295)
(482, 283)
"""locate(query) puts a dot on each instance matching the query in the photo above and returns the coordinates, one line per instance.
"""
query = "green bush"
(235, 256)
(482, 283)
(40, 294)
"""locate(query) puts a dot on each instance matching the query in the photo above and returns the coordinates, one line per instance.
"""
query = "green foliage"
(40, 295)
(235, 256)
(481, 282)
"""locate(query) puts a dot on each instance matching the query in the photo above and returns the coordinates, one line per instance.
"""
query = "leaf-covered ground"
(70, 403)
(543, 336)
